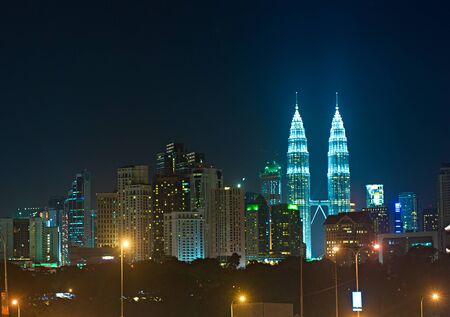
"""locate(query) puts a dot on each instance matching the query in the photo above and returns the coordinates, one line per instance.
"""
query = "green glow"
(292, 207)
(252, 207)
(272, 168)
(53, 264)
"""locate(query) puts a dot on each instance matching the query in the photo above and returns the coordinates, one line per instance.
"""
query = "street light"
(375, 247)
(15, 302)
(434, 297)
(5, 262)
(336, 250)
(241, 299)
(124, 245)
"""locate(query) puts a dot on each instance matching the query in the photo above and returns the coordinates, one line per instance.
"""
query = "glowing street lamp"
(242, 299)
(434, 297)
(15, 302)
(125, 244)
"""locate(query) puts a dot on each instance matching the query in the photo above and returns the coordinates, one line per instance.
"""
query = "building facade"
(257, 227)
(444, 196)
(107, 220)
(134, 198)
(286, 231)
(430, 219)
(352, 230)
(77, 208)
(408, 207)
(270, 179)
(374, 195)
(21, 238)
(380, 219)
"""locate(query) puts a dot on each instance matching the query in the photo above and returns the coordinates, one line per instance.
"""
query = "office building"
(176, 158)
(353, 230)
(107, 218)
(298, 177)
(374, 195)
(286, 231)
(134, 198)
(78, 208)
(27, 212)
(380, 219)
(408, 209)
(184, 235)
(257, 227)
(398, 223)
(171, 193)
(270, 179)
(444, 196)
(430, 219)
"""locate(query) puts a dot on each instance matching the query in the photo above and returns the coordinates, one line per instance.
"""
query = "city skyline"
(394, 126)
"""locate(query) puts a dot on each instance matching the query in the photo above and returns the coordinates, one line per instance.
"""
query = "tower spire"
(337, 100)
(296, 100)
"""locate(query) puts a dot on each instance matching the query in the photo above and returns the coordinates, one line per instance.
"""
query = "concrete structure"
(184, 235)
(380, 219)
(107, 220)
(286, 231)
(398, 244)
(262, 310)
(21, 238)
(352, 230)
(134, 197)
(409, 211)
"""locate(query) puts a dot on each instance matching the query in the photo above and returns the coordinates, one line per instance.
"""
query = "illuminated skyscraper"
(271, 183)
(298, 177)
(408, 209)
(374, 195)
(338, 166)
(444, 196)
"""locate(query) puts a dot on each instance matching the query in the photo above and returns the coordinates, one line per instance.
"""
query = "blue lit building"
(77, 209)
(338, 167)
(398, 224)
(408, 207)
(298, 177)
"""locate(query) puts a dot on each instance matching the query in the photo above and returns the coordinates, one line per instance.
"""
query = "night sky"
(97, 87)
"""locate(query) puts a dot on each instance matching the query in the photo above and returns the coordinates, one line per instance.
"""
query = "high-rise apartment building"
(270, 179)
(21, 238)
(298, 176)
(408, 207)
(338, 166)
(286, 231)
(184, 234)
(107, 220)
(134, 198)
(430, 219)
(171, 193)
(176, 158)
(352, 230)
(78, 208)
(45, 242)
(444, 196)
(229, 223)
(257, 227)
(7, 236)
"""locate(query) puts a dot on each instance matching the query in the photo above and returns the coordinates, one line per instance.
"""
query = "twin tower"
(298, 176)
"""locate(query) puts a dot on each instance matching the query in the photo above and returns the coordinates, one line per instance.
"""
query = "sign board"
(357, 301)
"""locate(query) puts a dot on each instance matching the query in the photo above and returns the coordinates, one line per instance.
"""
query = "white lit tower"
(298, 177)
(338, 166)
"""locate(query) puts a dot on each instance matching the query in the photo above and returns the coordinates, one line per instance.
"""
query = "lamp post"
(125, 244)
(242, 299)
(5, 262)
(336, 250)
(301, 283)
(434, 297)
(15, 302)
(375, 247)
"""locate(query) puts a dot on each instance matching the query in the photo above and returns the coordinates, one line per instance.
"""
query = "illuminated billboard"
(357, 301)
(375, 195)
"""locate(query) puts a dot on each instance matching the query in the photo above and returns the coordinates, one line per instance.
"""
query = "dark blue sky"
(99, 86)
